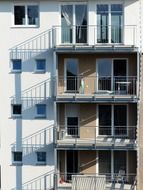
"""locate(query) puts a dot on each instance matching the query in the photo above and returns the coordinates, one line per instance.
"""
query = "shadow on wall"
(30, 155)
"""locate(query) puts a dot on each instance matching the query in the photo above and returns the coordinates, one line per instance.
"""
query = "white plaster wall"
(9, 37)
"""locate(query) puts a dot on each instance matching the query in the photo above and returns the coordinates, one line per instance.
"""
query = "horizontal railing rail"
(118, 85)
(42, 182)
(95, 34)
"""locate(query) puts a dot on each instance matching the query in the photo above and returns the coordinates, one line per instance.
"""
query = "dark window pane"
(120, 115)
(19, 15)
(16, 64)
(41, 109)
(72, 125)
(32, 14)
(120, 162)
(41, 156)
(104, 162)
(17, 109)
(17, 156)
(40, 64)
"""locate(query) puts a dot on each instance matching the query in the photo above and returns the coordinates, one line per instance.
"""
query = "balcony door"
(113, 120)
(74, 23)
(112, 75)
(109, 23)
(71, 75)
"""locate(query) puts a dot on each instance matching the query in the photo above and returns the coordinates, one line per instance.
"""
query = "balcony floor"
(99, 143)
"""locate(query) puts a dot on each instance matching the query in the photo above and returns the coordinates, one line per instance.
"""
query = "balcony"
(95, 36)
(82, 88)
(91, 181)
(102, 137)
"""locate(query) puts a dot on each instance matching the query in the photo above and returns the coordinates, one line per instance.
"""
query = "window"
(26, 15)
(109, 23)
(40, 65)
(41, 157)
(41, 110)
(16, 65)
(17, 156)
(16, 109)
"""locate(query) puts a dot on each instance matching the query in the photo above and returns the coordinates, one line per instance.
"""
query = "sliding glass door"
(74, 23)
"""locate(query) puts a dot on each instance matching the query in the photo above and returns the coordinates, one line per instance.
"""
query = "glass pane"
(116, 23)
(32, 14)
(104, 74)
(105, 120)
(66, 23)
(72, 163)
(40, 64)
(102, 23)
(72, 75)
(41, 109)
(104, 162)
(120, 163)
(19, 15)
(16, 64)
(81, 23)
(72, 126)
(120, 67)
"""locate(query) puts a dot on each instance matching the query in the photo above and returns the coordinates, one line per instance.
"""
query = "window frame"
(26, 25)
(17, 161)
(16, 115)
(16, 70)
(42, 116)
(40, 70)
(41, 161)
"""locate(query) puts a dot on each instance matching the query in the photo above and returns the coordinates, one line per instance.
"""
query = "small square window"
(16, 65)
(16, 109)
(41, 157)
(41, 110)
(17, 156)
(40, 65)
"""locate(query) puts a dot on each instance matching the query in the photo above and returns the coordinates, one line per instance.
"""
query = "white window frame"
(26, 15)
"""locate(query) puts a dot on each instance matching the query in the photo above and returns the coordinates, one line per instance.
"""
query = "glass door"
(71, 72)
(120, 76)
(116, 23)
(102, 23)
(81, 23)
(105, 119)
(120, 120)
(104, 67)
(66, 23)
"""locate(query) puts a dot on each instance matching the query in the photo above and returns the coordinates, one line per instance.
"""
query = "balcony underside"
(66, 97)
(85, 48)
(101, 143)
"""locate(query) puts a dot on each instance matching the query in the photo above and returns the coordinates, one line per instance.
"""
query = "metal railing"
(36, 93)
(42, 182)
(117, 85)
(98, 136)
(95, 34)
(102, 181)
(37, 140)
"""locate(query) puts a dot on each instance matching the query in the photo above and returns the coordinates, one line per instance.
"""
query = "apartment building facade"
(71, 101)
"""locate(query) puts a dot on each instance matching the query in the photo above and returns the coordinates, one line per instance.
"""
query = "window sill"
(40, 117)
(40, 163)
(39, 72)
(15, 72)
(25, 26)
(16, 116)
(17, 163)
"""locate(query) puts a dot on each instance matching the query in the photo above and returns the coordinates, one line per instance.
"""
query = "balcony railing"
(102, 136)
(93, 85)
(95, 34)
(90, 181)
